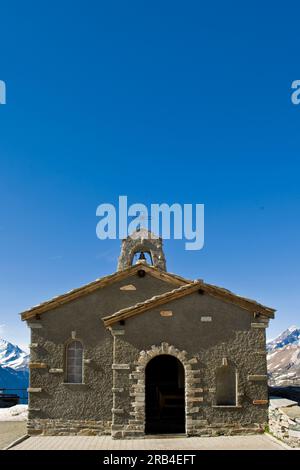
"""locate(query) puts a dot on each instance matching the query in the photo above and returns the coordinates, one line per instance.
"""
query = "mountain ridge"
(12, 356)
(284, 358)
(14, 370)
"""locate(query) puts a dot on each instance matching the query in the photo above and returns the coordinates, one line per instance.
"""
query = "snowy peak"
(12, 356)
(284, 358)
(292, 328)
(291, 336)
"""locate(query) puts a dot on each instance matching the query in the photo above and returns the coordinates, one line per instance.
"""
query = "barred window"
(74, 360)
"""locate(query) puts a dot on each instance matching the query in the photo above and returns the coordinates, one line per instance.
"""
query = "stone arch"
(146, 248)
(192, 381)
(142, 240)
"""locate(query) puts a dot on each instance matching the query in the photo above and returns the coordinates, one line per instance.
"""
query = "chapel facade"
(144, 351)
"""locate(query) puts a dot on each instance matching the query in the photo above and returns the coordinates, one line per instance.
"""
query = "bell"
(141, 259)
(142, 256)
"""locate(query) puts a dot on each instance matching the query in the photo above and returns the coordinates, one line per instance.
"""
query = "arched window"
(226, 384)
(74, 360)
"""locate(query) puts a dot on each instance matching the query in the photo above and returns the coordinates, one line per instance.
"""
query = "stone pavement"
(255, 442)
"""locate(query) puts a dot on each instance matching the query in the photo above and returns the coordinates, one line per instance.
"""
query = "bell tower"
(142, 242)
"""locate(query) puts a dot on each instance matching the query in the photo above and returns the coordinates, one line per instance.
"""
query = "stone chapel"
(145, 351)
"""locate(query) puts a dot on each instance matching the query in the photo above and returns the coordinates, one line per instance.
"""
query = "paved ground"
(258, 442)
(10, 431)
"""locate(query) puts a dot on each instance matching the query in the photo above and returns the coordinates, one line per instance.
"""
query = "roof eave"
(149, 304)
(242, 302)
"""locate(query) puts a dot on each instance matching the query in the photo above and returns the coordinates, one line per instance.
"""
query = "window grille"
(74, 361)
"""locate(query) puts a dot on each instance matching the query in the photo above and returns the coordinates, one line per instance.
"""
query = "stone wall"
(142, 241)
(202, 333)
(52, 401)
(202, 418)
(195, 425)
(231, 335)
(68, 427)
(136, 425)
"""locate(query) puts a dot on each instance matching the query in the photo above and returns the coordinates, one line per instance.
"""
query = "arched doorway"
(165, 397)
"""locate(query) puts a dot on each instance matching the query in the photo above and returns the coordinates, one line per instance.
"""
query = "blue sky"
(163, 102)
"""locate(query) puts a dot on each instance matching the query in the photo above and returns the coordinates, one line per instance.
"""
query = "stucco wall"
(93, 399)
(229, 335)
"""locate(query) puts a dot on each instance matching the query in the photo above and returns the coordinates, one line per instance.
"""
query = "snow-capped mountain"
(14, 373)
(12, 356)
(289, 336)
(284, 358)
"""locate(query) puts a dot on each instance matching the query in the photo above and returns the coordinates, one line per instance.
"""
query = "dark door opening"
(165, 401)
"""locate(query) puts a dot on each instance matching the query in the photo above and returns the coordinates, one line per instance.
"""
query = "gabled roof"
(151, 303)
(100, 283)
(182, 291)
